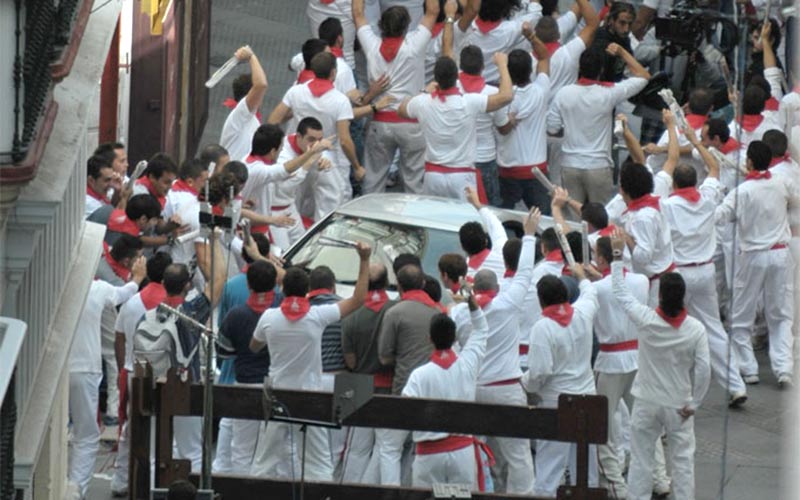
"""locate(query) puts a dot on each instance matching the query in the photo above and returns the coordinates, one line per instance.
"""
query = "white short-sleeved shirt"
(295, 347)
(238, 130)
(92, 204)
(564, 64)
(692, 225)
(527, 143)
(653, 251)
(344, 82)
(185, 205)
(257, 188)
(449, 127)
(486, 149)
(434, 50)
(127, 319)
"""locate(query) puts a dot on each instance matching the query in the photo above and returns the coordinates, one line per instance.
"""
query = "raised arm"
(559, 199)
(711, 163)
(495, 229)
(431, 13)
(475, 348)
(592, 21)
(505, 92)
(349, 305)
(633, 65)
(450, 10)
(772, 73)
(639, 313)
(522, 279)
(258, 90)
(542, 55)
(358, 14)
(631, 141)
(468, 14)
(673, 147)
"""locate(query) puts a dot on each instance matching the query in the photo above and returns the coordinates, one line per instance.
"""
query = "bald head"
(485, 280)
(410, 277)
(378, 276)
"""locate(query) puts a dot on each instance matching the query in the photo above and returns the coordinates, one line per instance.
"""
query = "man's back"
(404, 338)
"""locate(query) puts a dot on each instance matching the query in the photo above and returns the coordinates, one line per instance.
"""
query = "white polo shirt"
(527, 143)
(750, 133)
(260, 175)
(564, 64)
(344, 82)
(449, 127)
(182, 201)
(237, 131)
(692, 225)
(486, 146)
(295, 347)
(652, 254)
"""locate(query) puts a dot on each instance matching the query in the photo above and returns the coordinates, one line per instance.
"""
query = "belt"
(628, 345)
(453, 443)
(778, 246)
(388, 116)
(662, 273)
(279, 208)
(441, 169)
(523, 349)
(695, 264)
(382, 380)
(508, 381)
(521, 171)
(261, 228)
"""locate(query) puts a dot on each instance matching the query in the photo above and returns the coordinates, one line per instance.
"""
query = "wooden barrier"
(578, 419)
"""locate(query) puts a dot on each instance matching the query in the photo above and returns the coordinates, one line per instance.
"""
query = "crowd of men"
(691, 240)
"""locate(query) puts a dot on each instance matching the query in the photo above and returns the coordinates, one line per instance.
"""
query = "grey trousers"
(382, 141)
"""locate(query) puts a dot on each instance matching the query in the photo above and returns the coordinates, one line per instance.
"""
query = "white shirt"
(295, 347)
(612, 325)
(449, 127)
(486, 147)
(434, 49)
(127, 319)
(342, 10)
(260, 175)
(92, 204)
(585, 114)
(655, 162)
(406, 71)
(494, 257)
(761, 216)
(653, 251)
(185, 205)
(756, 134)
(455, 383)
(559, 357)
(669, 358)
(789, 169)
(344, 82)
(285, 191)
(86, 354)
(564, 65)
(238, 130)
(692, 225)
(526, 145)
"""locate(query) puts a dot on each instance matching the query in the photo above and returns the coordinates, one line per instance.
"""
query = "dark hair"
(497, 10)
(403, 260)
(262, 242)
(549, 240)
(394, 22)
(192, 169)
(95, 164)
(548, 7)
(774, 32)
(321, 277)
(520, 65)
(684, 176)
(604, 249)
(760, 154)
(575, 242)
(442, 331)
(671, 291)
(595, 214)
(181, 490)
(309, 122)
(143, 204)
(219, 187)
(378, 281)
(156, 265)
(471, 60)
(445, 72)
(126, 247)
(547, 29)
(323, 64)
(266, 138)
(551, 290)
(618, 8)
(511, 252)
(410, 277)
(753, 100)
(212, 153)
(107, 150)
(635, 180)
(432, 288)
(591, 64)
(295, 282)
(261, 276)
(717, 127)
(701, 101)
(176, 276)
(776, 141)
(160, 163)
(238, 170)
(330, 30)
(241, 86)
(473, 237)
(312, 47)
(453, 265)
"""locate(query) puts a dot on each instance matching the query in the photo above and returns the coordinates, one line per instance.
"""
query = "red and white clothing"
(261, 171)
(238, 129)
(564, 61)
(486, 146)
(344, 82)
(94, 201)
(526, 145)
(182, 201)
(491, 259)
(751, 128)
(652, 255)
(318, 11)
(774, 76)
(144, 185)
(656, 161)
(434, 49)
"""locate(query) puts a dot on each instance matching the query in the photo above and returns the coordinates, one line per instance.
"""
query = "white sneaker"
(751, 379)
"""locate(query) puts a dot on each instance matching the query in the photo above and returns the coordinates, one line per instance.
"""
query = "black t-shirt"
(614, 67)
(238, 327)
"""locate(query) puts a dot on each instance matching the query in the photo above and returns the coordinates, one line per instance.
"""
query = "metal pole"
(208, 394)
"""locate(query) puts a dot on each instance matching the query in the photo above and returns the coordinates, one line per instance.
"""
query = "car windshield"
(327, 246)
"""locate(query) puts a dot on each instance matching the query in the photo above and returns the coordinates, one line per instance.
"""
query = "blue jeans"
(488, 170)
(529, 191)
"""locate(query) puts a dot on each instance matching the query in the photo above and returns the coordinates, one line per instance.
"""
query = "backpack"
(156, 341)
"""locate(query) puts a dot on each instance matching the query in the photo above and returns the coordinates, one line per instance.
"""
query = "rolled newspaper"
(669, 99)
(222, 72)
(543, 180)
(562, 239)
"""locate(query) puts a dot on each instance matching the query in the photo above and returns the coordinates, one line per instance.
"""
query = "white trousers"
(513, 468)
(773, 272)
(280, 448)
(119, 482)
(243, 445)
(449, 185)
(615, 387)
(83, 398)
(648, 421)
(702, 304)
(382, 140)
(360, 464)
(107, 322)
(222, 458)
(393, 456)
(284, 237)
(187, 435)
(317, 12)
(457, 467)
(321, 193)
(552, 459)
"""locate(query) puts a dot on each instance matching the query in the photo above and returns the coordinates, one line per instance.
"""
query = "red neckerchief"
(375, 300)
(751, 122)
(260, 302)
(486, 26)
(319, 86)
(146, 182)
(152, 295)
(607, 271)
(755, 175)
(647, 200)
(696, 121)
(586, 82)
(442, 94)
(607, 231)
(181, 186)
(173, 301)
(437, 28)
(318, 291)
(337, 52)
(475, 261)
(390, 46)
(293, 143)
(123, 272)
(100, 198)
(326, 2)
(674, 322)
(294, 308)
(690, 194)
(305, 76)
(603, 12)
(444, 358)
(566, 271)
(772, 104)
(730, 145)
(509, 273)
(554, 256)
(218, 210)
(779, 159)
(421, 297)
(119, 222)
(472, 84)
(560, 313)
(485, 297)
(231, 103)
(552, 47)
(251, 158)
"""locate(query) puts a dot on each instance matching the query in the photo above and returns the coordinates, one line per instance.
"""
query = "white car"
(394, 223)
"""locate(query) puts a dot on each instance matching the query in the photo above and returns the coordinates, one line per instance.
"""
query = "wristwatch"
(450, 20)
